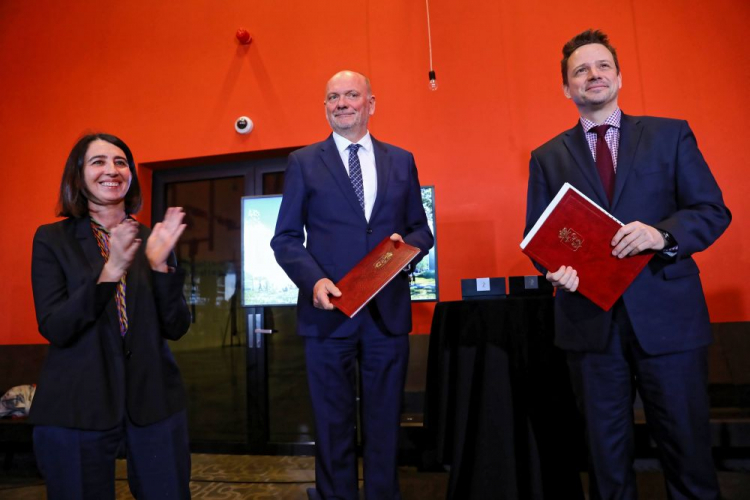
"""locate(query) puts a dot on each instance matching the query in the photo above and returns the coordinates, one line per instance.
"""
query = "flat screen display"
(264, 283)
(424, 286)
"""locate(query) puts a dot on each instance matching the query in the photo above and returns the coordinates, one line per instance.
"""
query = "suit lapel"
(95, 261)
(331, 158)
(630, 135)
(575, 141)
(85, 236)
(383, 170)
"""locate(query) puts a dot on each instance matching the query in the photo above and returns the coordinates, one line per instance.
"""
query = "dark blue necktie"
(355, 174)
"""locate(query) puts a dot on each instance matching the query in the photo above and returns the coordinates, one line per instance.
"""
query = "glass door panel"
(290, 415)
(211, 355)
(247, 391)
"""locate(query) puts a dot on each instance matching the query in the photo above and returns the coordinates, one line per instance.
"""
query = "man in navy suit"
(327, 223)
(655, 337)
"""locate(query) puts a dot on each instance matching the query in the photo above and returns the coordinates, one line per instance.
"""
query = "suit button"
(128, 354)
(369, 231)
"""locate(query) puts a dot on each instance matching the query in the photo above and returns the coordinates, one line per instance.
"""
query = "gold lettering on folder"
(383, 260)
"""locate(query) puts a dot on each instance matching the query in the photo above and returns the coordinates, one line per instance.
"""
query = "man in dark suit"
(341, 198)
(655, 337)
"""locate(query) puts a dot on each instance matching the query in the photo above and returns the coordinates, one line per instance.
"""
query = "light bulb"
(433, 81)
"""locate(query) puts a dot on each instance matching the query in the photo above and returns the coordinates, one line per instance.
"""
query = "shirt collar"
(612, 120)
(342, 143)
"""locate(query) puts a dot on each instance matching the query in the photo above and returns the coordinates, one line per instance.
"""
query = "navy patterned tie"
(355, 174)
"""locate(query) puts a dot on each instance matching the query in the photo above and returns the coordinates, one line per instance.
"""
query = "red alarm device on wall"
(243, 36)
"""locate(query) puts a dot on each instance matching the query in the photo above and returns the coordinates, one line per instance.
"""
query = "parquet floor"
(232, 477)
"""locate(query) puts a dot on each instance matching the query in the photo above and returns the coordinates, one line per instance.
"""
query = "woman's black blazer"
(93, 375)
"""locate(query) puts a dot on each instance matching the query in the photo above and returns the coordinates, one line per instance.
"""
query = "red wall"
(170, 78)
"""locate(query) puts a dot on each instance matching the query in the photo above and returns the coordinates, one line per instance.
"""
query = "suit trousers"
(80, 465)
(332, 375)
(673, 388)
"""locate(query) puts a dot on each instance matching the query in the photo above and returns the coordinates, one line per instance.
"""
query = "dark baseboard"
(21, 364)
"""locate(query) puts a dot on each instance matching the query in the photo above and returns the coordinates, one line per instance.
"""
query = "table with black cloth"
(499, 407)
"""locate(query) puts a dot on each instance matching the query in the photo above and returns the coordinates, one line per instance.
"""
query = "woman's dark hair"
(73, 201)
(587, 37)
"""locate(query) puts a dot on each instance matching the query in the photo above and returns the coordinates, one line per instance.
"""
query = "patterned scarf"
(102, 239)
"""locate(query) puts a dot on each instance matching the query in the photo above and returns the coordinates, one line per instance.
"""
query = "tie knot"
(600, 130)
(354, 147)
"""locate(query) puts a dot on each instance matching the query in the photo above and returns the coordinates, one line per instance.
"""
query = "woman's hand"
(163, 239)
(123, 245)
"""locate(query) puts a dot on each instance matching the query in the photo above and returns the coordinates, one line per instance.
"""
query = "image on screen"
(264, 283)
(425, 284)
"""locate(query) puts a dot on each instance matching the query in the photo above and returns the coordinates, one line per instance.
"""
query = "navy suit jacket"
(319, 199)
(662, 180)
(93, 375)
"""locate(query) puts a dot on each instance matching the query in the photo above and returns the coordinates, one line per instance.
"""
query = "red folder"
(371, 274)
(574, 231)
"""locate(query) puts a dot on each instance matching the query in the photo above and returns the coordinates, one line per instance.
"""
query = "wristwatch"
(669, 241)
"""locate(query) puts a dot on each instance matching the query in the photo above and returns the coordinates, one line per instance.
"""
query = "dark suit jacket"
(663, 181)
(92, 375)
(319, 198)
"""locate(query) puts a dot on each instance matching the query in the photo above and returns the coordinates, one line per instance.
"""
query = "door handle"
(265, 331)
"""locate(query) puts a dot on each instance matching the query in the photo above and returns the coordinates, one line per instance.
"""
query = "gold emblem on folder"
(384, 259)
(570, 238)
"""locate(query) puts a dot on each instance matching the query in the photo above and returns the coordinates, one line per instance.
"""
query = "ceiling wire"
(433, 79)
